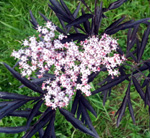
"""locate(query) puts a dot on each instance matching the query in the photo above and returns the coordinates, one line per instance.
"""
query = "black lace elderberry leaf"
(111, 84)
(122, 108)
(114, 25)
(79, 111)
(58, 8)
(131, 110)
(144, 42)
(87, 119)
(142, 68)
(118, 27)
(76, 11)
(114, 5)
(41, 133)
(79, 98)
(33, 21)
(126, 25)
(98, 17)
(23, 113)
(45, 18)
(74, 15)
(87, 105)
(63, 13)
(44, 119)
(86, 5)
(131, 38)
(6, 104)
(105, 80)
(132, 24)
(12, 129)
(76, 123)
(86, 24)
(147, 94)
(131, 54)
(11, 107)
(65, 19)
(138, 88)
(79, 20)
(24, 81)
(34, 111)
(7, 95)
(75, 102)
(92, 76)
(66, 9)
(105, 93)
(37, 81)
(16, 64)
(49, 132)
(147, 63)
(146, 81)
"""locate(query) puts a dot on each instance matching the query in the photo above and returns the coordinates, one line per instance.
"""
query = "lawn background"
(15, 26)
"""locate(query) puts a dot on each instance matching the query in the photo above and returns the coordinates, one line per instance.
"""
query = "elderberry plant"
(59, 65)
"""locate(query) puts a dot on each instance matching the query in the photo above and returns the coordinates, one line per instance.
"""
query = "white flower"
(68, 61)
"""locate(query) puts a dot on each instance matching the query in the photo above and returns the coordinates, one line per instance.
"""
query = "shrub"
(59, 65)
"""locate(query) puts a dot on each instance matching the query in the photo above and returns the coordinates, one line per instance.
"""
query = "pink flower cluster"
(71, 61)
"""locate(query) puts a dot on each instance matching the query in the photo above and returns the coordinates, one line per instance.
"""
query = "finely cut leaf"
(105, 96)
(24, 81)
(138, 87)
(131, 110)
(123, 105)
(87, 119)
(66, 9)
(58, 7)
(6, 105)
(88, 106)
(130, 104)
(128, 24)
(75, 102)
(34, 111)
(65, 19)
(114, 24)
(37, 81)
(98, 18)
(111, 84)
(23, 113)
(86, 24)
(116, 4)
(145, 81)
(76, 11)
(86, 5)
(142, 68)
(7, 95)
(76, 123)
(92, 76)
(38, 125)
(80, 20)
(45, 18)
(12, 108)
(41, 133)
(49, 130)
(144, 42)
(33, 20)
(12, 129)
(79, 111)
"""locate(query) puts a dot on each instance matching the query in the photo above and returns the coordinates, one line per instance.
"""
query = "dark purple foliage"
(84, 26)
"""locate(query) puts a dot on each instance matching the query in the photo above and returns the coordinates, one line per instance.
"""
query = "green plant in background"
(96, 99)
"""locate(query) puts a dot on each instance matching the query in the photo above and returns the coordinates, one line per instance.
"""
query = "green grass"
(15, 27)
